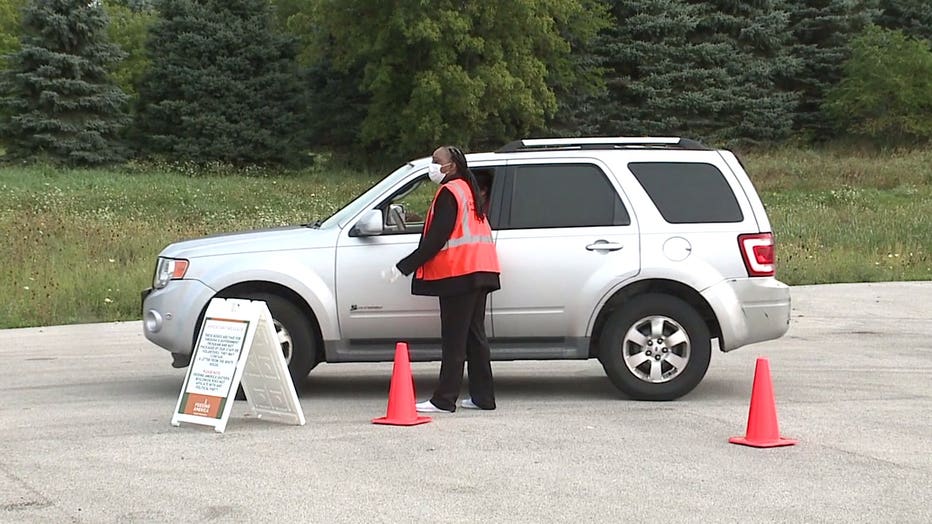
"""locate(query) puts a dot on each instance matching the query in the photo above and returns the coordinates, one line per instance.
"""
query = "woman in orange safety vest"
(456, 261)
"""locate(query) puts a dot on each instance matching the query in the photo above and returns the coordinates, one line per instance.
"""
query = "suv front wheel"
(294, 334)
(655, 347)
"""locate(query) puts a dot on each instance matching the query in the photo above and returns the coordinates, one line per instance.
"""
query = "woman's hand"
(391, 274)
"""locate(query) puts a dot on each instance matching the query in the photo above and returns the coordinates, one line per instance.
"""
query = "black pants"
(462, 327)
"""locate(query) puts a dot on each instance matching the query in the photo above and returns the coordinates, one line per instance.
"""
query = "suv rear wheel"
(655, 347)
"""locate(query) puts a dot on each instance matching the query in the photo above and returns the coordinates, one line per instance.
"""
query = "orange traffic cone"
(763, 431)
(401, 410)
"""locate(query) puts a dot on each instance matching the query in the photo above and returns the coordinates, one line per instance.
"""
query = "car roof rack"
(617, 142)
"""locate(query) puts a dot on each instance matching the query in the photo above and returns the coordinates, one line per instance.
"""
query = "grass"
(79, 245)
(843, 216)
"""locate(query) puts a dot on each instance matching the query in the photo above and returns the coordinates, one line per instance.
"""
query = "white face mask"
(435, 174)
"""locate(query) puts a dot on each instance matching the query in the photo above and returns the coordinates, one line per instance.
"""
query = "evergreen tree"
(222, 84)
(578, 81)
(702, 69)
(59, 101)
(334, 95)
(913, 17)
(822, 31)
(642, 52)
(338, 103)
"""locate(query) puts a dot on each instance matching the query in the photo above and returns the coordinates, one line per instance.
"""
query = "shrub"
(886, 92)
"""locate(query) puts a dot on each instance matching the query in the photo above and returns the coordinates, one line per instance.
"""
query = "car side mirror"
(395, 220)
(370, 223)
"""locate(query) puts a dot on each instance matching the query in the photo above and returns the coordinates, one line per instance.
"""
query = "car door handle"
(604, 245)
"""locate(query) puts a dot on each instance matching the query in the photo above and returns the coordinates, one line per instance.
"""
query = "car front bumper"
(170, 314)
(750, 310)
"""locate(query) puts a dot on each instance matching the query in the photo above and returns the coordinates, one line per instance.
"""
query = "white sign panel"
(266, 381)
(237, 343)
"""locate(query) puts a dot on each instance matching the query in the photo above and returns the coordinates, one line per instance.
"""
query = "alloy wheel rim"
(284, 340)
(656, 349)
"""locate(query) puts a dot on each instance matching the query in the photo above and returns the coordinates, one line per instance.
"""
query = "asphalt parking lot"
(86, 435)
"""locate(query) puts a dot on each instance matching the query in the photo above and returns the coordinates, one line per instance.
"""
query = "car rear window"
(688, 193)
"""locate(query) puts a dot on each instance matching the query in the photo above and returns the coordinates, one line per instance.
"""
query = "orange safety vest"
(470, 248)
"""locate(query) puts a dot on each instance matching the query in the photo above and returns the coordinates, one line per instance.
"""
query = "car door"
(564, 237)
(372, 310)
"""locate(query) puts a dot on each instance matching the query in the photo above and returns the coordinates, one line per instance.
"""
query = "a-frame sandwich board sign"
(237, 344)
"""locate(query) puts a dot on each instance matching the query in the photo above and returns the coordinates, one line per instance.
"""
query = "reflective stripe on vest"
(468, 237)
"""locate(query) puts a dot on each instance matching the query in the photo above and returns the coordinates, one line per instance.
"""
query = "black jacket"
(446, 213)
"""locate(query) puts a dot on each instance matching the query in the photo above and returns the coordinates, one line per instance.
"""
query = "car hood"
(270, 240)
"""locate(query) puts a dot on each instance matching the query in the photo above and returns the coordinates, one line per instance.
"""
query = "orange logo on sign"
(203, 405)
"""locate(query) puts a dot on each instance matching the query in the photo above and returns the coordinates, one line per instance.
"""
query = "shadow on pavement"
(376, 386)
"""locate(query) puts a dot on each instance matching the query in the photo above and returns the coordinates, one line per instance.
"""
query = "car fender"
(288, 272)
(692, 272)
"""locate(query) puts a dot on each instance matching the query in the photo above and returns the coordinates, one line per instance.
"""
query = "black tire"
(678, 365)
(304, 354)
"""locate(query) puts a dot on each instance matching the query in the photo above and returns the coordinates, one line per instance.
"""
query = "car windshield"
(357, 204)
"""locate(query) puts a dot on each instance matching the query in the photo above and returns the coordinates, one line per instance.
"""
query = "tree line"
(272, 82)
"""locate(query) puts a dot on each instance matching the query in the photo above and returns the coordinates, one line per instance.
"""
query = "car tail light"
(757, 251)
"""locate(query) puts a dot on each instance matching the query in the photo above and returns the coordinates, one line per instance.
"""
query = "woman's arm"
(432, 241)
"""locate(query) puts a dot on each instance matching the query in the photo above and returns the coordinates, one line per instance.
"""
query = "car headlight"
(168, 269)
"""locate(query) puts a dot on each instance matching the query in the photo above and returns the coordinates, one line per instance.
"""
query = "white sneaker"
(428, 407)
(467, 403)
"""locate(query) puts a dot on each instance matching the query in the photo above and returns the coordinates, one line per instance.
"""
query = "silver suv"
(635, 251)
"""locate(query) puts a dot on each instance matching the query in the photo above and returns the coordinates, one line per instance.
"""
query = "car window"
(358, 204)
(563, 195)
(406, 210)
(688, 193)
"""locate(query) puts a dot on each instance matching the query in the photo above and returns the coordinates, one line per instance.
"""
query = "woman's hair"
(462, 170)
